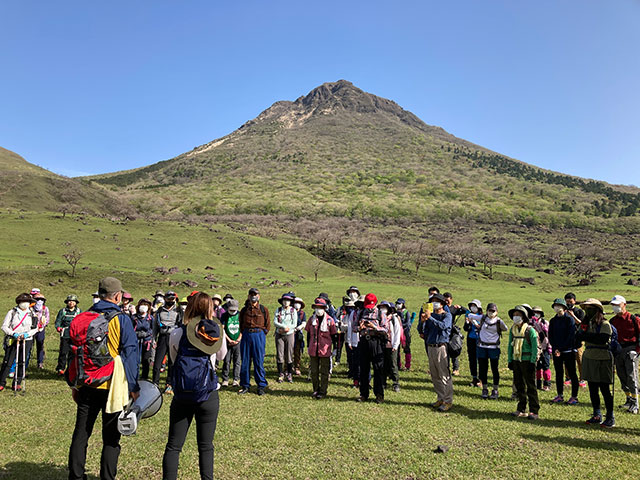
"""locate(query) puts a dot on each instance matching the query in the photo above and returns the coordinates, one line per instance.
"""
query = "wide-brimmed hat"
(593, 302)
(39, 296)
(320, 303)
(492, 306)
(24, 297)
(171, 294)
(233, 304)
(520, 309)
(439, 297)
(300, 301)
(353, 288)
(560, 301)
(159, 293)
(145, 300)
(205, 335)
(216, 296)
(402, 301)
(475, 302)
(286, 296)
(390, 306)
(370, 300)
(537, 309)
(183, 300)
(529, 309)
(72, 298)
(228, 296)
(127, 296)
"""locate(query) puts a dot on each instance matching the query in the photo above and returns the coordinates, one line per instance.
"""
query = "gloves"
(510, 365)
(16, 335)
(59, 329)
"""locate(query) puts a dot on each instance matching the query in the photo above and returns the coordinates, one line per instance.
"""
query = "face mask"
(492, 314)
(183, 308)
(40, 303)
(559, 310)
(253, 298)
(437, 306)
(143, 309)
(517, 319)
(473, 309)
(96, 299)
(286, 303)
(384, 310)
(616, 308)
(23, 305)
(399, 306)
(353, 295)
(233, 312)
(297, 306)
(170, 303)
(319, 312)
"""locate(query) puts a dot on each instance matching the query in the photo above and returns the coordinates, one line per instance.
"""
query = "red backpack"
(92, 364)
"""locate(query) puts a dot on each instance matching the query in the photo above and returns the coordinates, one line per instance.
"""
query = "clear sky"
(89, 87)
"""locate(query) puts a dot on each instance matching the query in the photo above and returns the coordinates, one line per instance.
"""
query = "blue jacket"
(128, 343)
(437, 328)
(143, 326)
(562, 333)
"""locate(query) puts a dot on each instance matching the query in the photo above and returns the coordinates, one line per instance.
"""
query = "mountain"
(29, 187)
(339, 151)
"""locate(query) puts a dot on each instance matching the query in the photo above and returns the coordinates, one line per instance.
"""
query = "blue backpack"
(614, 344)
(193, 377)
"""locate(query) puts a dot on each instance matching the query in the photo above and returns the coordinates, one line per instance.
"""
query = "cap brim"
(199, 344)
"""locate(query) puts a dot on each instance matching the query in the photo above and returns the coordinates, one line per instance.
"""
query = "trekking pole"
(17, 371)
(24, 366)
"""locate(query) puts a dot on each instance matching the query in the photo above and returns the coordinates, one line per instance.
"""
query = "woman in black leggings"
(490, 328)
(193, 351)
(597, 361)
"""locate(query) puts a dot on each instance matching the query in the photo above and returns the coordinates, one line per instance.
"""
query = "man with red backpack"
(98, 336)
(628, 328)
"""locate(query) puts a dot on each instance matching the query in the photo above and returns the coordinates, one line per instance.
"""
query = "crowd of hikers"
(117, 342)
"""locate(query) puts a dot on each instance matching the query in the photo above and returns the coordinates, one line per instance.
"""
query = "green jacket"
(529, 340)
(63, 319)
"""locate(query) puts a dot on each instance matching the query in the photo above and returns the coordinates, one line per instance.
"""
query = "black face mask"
(170, 303)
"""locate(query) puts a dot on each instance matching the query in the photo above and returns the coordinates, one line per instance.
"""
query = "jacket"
(12, 319)
(143, 326)
(285, 318)
(437, 328)
(523, 338)
(320, 331)
(63, 319)
(489, 330)
(628, 327)
(166, 319)
(252, 316)
(562, 333)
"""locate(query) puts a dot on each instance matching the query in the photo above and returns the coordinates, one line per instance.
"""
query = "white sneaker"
(225, 383)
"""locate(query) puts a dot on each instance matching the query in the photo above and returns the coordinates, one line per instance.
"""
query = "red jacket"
(320, 342)
(628, 329)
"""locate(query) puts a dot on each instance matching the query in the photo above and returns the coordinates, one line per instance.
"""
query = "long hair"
(198, 305)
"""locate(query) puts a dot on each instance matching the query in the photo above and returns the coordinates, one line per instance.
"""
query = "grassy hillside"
(342, 152)
(29, 187)
(286, 434)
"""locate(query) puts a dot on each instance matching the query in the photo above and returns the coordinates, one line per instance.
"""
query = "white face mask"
(473, 309)
(437, 306)
(297, 306)
(616, 308)
(96, 299)
(559, 309)
(23, 305)
(517, 319)
(286, 303)
(319, 312)
(383, 310)
(492, 314)
(143, 309)
(399, 306)
(233, 312)
(353, 295)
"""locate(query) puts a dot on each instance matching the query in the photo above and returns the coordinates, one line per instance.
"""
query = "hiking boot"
(475, 383)
(319, 396)
(235, 383)
(396, 388)
(225, 383)
(558, 399)
(361, 399)
(168, 390)
(494, 394)
(485, 393)
(546, 388)
(518, 414)
(314, 394)
(281, 378)
(290, 378)
(437, 404)
(628, 403)
(596, 419)
(633, 409)
(298, 372)
(243, 390)
(572, 401)
(379, 399)
(261, 391)
(456, 373)
(609, 422)
(532, 416)
(445, 407)
(41, 366)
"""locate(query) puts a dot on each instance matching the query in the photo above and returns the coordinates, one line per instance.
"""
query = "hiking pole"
(17, 371)
(24, 367)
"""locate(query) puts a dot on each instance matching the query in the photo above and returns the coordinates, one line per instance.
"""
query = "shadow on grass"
(36, 470)
(583, 443)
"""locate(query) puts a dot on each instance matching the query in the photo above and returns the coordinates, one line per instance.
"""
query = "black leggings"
(483, 363)
(472, 344)
(605, 388)
(180, 416)
(568, 361)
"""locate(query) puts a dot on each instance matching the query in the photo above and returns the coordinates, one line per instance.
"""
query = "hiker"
(456, 311)
(91, 393)
(231, 322)
(428, 307)
(42, 312)
(489, 327)
(562, 333)
(321, 326)
(522, 357)
(255, 324)
(352, 340)
(218, 309)
(578, 316)
(225, 301)
(285, 321)
(63, 321)
(95, 297)
(435, 329)
(342, 325)
(543, 370)
(298, 345)
(193, 350)
(143, 325)
(373, 334)
(407, 322)
(394, 328)
(20, 326)
(597, 362)
(628, 329)
(475, 308)
(158, 301)
(127, 300)
(167, 318)
(183, 302)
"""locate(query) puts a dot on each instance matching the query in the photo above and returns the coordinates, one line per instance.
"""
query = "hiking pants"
(319, 369)
(594, 392)
(145, 350)
(298, 347)
(10, 358)
(407, 341)
(39, 338)
(338, 341)
(353, 358)
(252, 350)
(524, 377)
(162, 349)
(64, 355)
(486, 356)
(233, 355)
(90, 402)
(440, 374)
(284, 348)
(391, 366)
(472, 345)
(568, 361)
(627, 368)
(180, 416)
(370, 353)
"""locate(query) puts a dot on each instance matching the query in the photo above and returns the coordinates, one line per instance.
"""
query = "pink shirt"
(320, 331)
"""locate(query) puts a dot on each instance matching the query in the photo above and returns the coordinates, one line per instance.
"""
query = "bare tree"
(73, 257)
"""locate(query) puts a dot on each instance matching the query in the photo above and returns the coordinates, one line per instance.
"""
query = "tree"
(73, 257)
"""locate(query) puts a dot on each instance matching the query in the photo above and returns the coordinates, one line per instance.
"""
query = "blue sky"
(89, 87)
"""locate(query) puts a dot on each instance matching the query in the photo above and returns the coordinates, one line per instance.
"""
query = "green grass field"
(287, 434)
